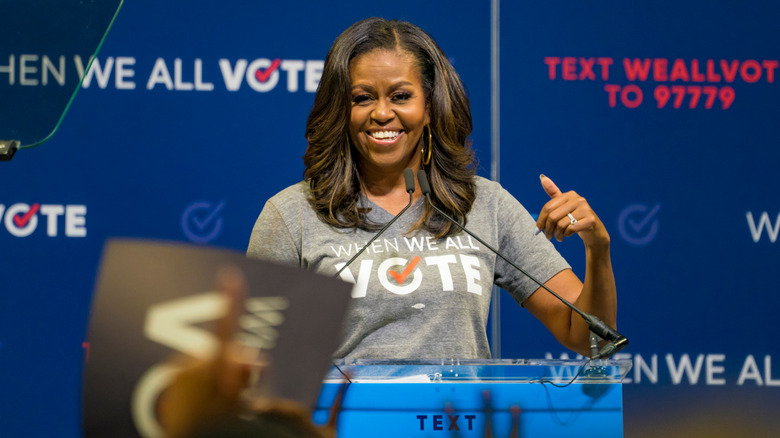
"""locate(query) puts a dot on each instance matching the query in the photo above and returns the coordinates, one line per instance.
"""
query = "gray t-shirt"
(414, 297)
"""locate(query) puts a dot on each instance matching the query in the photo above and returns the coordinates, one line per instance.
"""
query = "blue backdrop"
(663, 116)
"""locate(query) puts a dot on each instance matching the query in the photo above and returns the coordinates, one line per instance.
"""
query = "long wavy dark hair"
(330, 159)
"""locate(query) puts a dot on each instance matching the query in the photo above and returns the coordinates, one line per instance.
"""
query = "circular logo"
(638, 224)
(201, 221)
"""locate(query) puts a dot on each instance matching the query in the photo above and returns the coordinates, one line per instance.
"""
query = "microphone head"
(409, 180)
(422, 178)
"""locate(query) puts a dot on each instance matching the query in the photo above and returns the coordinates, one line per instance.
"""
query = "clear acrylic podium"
(476, 398)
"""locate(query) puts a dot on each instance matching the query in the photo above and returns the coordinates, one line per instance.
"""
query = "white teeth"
(385, 135)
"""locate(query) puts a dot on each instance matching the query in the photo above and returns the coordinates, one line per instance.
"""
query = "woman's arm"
(597, 295)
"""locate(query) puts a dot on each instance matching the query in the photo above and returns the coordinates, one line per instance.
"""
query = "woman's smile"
(385, 136)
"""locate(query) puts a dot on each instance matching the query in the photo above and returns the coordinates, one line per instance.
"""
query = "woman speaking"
(390, 100)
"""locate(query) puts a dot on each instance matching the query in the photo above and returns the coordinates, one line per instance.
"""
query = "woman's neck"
(388, 190)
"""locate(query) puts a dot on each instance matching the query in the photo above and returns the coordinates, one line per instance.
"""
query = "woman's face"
(388, 110)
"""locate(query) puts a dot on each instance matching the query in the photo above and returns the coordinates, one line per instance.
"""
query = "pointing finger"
(549, 186)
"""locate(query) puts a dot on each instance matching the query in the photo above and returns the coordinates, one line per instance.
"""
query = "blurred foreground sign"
(155, 300)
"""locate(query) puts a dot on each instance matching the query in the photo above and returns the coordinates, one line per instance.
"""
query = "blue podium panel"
(446, 409)
(510, 398)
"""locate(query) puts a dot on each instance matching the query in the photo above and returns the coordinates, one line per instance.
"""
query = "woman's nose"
(382, 112)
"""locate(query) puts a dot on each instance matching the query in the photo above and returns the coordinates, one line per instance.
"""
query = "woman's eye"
(361, 99)
(401, 97)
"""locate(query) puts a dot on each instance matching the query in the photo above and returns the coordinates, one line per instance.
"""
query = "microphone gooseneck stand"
(409, 181)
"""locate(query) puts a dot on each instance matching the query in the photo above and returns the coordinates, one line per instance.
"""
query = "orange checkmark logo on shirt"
(409, 268)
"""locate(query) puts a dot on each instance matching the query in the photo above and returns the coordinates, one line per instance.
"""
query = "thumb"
(549, 186)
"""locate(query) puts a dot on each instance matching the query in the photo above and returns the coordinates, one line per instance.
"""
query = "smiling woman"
(389, 100)
(359, 62)
(389, 113)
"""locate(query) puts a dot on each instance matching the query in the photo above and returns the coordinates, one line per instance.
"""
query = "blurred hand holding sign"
(155, 300)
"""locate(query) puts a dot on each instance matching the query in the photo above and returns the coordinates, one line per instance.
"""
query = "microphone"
(409, 181)
(616, 341)
(7, 149)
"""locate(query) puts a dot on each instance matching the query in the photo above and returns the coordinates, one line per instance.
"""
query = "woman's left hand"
(569, 213)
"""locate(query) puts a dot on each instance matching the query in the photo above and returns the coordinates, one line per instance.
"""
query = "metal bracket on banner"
(7, 149)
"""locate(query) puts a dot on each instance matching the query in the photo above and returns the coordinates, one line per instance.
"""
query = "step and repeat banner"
(193, 114)
(663, 116)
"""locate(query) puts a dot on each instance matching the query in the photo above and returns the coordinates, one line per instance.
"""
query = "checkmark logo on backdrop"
(263, 76)
(23, 219)
(638, 224)
(409, 268)
(201, 221)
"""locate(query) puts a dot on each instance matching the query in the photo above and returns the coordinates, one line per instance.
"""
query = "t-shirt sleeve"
(271, 238)
(533, 253)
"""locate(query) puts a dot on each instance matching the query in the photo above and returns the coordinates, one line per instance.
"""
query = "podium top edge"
(481, 370)
(481, 362)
